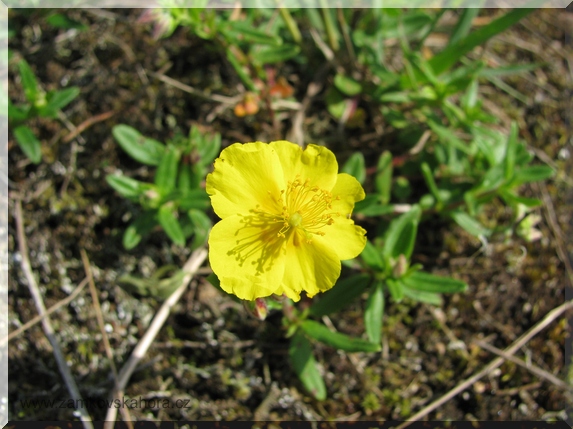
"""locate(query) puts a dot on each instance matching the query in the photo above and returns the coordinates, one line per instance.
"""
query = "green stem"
(330, 30)
(291, 25)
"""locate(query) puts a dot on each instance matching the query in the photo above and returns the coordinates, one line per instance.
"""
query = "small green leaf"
(509, 163)
(125, 186)
(342, 294)
(534, 173)
(337, 340)
(142, 149)
(208, 147)
(201, 225)
(449, 138)
(512, 198)
(420, 296)
(374, 313)
(469, 223)
(396, 289)
(347, 85)
(141, 226)
(170, 224)
(427, 282)
(166, 174)
(355, 166)
(384, 177)
(60, 99)
(300, 353)
(29, 144)
(449, 56)
(371, 256)
(29, 82)
(194, 199)
(59, 20)
(240, 70)
(272, 54)
(464, 25)
(17, 113)
(401, 234)
(245, 31)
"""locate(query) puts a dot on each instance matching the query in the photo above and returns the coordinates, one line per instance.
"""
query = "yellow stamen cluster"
(305, 207)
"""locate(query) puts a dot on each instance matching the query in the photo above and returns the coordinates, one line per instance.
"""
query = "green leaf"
(430, 182)
(509, 162)
(166, 174)
(355, 166)
(29, 144)
(383, 179)
(337, 340)
(489, 73)
(396, 289)
(347, 85)
(448, 137)
(300, 353)
(59, 20)
(272, 54)
(374, 313)
(241, 71)
(371, 256)
(534, 173)
(370, 206)
(194, 199)
(401, 234)
(17, 113)
(449, 56)
(60, 99)
(427, 282)
(142, 149)
(427, 297)
(469, 224)
(464, 25)
(244, 31)
(141, 226)
(208, 147)
(125, 186)
(170, 224)
(201, 225)
(512, 198)
(342, 294)
(29, 82)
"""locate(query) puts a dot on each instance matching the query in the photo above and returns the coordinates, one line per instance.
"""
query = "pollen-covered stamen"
(306, 208)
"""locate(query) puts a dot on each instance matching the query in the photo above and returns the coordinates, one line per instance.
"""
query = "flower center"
(305, 209)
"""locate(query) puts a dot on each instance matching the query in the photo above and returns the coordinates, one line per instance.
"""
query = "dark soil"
(221, 362)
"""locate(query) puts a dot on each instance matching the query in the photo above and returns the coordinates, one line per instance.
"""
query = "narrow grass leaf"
(29, 82)
(426, 282)
(383, 180)
(166, 174)
(469, 223)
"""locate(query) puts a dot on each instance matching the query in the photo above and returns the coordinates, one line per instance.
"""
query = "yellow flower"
(285, 219)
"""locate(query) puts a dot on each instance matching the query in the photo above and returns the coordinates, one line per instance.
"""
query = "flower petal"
(316, 163)
(247, 256)
(246, 176)
(313, 267)
(345, 193)
(343, 237)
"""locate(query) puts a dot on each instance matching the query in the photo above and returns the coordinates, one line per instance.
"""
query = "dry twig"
(517, 344)
(530, 367)
(101, 324)
(49, 311)
(190, 268)
(48, 329)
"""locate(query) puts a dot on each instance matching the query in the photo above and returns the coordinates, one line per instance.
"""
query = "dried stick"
(101, 324)
(48, 329)
(517, 344)
(541, 373)
(49, 311)
(190, 268)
